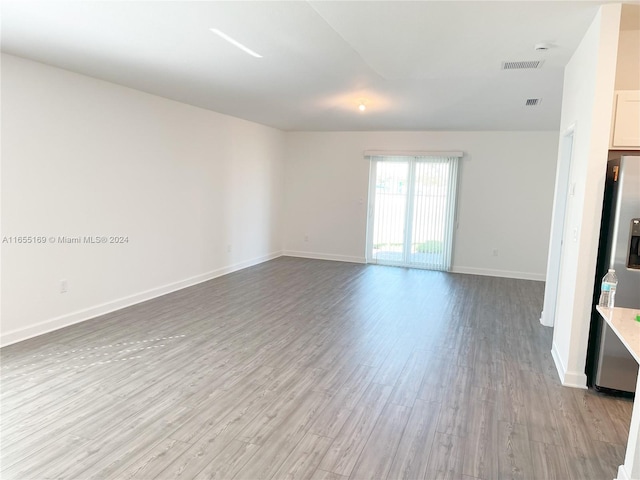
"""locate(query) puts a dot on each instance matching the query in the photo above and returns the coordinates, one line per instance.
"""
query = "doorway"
(412, 211)
(563, 193)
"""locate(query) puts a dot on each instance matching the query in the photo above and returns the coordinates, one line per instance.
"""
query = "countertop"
(623, 322)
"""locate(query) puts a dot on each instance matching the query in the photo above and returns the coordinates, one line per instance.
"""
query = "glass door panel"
(389, 212)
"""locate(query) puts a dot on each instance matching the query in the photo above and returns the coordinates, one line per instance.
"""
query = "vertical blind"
(412, 202)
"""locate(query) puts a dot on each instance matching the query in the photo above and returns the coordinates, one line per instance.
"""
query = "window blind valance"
(408, 153)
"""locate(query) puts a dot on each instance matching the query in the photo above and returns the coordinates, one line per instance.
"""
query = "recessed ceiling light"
(235, 43)
(362, 107)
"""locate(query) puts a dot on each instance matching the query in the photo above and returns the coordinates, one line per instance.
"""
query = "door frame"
(564, 190)
(368, 254)
(412, 162)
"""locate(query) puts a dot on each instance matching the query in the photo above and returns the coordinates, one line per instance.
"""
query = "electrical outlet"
(64, 287)
(494, 252)
(306, 238)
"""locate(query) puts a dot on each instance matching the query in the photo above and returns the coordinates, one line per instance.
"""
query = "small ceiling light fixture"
(362, 107)
(235, 43)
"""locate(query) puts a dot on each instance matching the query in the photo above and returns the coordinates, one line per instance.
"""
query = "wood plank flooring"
(306, 369)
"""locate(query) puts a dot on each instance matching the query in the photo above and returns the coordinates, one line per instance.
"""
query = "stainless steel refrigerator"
(610, 367)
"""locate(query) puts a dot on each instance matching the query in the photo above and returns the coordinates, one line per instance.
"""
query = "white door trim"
(563, 192)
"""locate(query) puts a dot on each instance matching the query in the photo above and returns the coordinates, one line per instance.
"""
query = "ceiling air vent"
(524, 64)
(532, 102)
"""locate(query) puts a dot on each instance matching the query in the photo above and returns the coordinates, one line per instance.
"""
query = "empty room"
(321, 240)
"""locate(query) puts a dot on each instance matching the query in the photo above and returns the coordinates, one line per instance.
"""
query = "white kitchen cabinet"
(625, 131)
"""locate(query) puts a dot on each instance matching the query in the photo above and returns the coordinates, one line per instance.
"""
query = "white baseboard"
(568, 379)
(622, 474)
(544, 320)
(499, 273)
(324, 256)
(85, 314)
(465, 270)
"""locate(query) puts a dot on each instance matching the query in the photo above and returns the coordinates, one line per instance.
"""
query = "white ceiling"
(430, 65)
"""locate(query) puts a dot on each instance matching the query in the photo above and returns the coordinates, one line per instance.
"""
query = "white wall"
(82, 156)
(504, 202)
(587, 102)
(628, 66)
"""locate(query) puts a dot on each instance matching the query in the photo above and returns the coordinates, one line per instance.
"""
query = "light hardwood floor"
(308, 369)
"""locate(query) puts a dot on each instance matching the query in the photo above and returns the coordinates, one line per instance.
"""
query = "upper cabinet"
(625, 131)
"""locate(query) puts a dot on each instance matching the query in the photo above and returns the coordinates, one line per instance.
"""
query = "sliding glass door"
(411, 211)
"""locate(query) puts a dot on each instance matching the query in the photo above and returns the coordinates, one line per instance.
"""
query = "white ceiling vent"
(523, 64)
(532, 102)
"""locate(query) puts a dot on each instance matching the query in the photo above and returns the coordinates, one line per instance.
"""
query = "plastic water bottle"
(608, 289)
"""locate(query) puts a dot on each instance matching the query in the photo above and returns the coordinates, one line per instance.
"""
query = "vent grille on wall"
(522, 64)
(532, 102)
